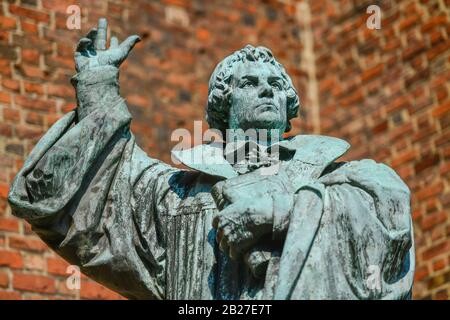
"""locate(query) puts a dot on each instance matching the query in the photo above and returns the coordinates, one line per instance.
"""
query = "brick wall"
(164, 80)
(386, 91)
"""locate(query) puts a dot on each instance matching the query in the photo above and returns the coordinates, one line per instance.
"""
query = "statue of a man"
(314, 229)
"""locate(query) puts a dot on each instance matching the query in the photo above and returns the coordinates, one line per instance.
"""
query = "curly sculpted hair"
(220, 89)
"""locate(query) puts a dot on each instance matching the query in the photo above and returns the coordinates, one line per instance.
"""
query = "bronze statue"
(313, 228)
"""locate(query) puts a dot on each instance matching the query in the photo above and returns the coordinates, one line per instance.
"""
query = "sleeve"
(91, 193)
(370, 212)
(356, 218)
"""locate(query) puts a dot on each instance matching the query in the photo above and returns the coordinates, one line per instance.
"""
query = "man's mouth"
(266, 106)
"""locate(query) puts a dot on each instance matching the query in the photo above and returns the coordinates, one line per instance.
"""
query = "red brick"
(69, 106)
(441, 94)
(26, 243)
(50, 119)
(179, 3)
(35, 104)
(10, 259)
(439, 265)
(5, 67)
(421, 273)
(434, 22)
(4, 189)
(7, 23)
(56, 5)
(31, 87)
(408, 22)
(34, 118)
(9, 295)
(351, 99)
(10, 84)
(432, 204)
(29, 13)
(430, 191)
(203, 34)
(27, 132)
(31, 71)
(441, 109)
(437, 50)
(4, 36)
(34, 261)
(400, 131)
(398, 103)
(57, 266)
(19, 164)
(34, 283)
(94, 291)
(10, 114)
(30, 56)
(29, 27)
(428, 161)
(404, 157)
(436, 37)
(437, 234)
(436, 250)
(5, 130)
(5, 97)
(61, 62)
(4, 279)
(443, 139)
(412, 50)
(432, 220)
(441, 295)
(371, 73)
(445, 168)
(5, 161)
(64, 91)
(7, 224)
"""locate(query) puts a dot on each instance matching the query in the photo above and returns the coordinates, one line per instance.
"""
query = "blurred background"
(385, 90)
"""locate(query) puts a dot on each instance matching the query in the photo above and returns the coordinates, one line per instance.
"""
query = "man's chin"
(267, 120)
(267, 123)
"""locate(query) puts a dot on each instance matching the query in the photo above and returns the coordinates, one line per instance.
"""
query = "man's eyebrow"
(250, 77)
(275, 78)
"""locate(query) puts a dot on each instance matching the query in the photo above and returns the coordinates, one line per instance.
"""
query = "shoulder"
(370, 171)
(314, 140)
(316, 149)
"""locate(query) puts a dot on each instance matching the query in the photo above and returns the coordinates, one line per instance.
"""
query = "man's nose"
(266, 90)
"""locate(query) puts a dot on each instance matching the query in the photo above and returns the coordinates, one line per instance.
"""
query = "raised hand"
(91, 51)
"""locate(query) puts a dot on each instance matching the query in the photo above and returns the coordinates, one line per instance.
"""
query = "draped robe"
(143, 228)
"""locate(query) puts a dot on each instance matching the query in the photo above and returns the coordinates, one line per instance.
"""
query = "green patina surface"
(311, 228)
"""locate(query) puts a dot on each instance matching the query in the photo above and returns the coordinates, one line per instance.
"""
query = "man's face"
(258, 99)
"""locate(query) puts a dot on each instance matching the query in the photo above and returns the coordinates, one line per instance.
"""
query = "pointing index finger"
(100, 41)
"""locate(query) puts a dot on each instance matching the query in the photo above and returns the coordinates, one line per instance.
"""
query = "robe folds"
(144, 228)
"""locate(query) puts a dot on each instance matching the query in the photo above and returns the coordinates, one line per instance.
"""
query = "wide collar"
(315, 150)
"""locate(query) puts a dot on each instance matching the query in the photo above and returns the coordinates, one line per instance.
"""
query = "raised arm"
(88, 190)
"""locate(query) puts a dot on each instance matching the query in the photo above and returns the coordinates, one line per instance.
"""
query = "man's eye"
(276, 85)
(248, 84)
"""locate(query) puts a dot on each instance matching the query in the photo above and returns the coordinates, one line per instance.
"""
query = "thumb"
(128, 44)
